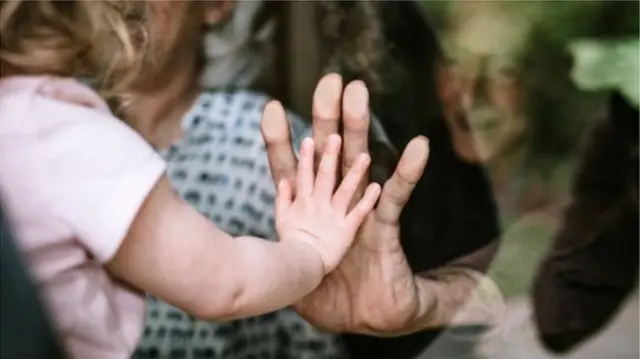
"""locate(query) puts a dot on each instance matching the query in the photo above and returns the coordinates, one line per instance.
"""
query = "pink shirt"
(72, 179)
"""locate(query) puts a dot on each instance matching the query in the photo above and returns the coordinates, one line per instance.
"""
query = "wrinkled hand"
(373, 290)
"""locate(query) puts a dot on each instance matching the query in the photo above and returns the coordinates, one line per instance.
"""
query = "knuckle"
(348, 158)
(395, 193)
(385, 218)
(406, 180)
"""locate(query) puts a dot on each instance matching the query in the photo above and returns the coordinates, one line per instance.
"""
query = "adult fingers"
(277, 138)
(398, 188)
(326, 110)
(355, 113)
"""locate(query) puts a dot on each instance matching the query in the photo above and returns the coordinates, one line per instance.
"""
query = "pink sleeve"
(95, 172)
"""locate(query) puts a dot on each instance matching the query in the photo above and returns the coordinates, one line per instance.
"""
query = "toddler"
(98, 220)
(91, 206)
(89, 201)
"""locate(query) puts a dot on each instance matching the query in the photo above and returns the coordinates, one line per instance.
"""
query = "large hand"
(373, 290)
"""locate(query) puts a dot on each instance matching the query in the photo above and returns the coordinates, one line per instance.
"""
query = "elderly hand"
(373, 290)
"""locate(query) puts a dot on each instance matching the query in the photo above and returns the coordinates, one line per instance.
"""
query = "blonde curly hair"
(102, 42)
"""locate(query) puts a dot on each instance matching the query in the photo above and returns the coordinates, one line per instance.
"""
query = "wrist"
(457, 296)
(307, 258)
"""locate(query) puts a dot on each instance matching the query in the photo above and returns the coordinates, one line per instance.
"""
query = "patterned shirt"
(220, 166)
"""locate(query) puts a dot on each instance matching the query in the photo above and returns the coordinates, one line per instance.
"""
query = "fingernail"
(327, 95)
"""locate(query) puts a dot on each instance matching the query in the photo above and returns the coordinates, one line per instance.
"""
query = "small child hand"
(317, 215)
(70, 90)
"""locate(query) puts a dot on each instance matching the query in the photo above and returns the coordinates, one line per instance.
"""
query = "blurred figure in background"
(507, 74)
(217, 160)
(514, 102)
(591, 269)
(593, 264)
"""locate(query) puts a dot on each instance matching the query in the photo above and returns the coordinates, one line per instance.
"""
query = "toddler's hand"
(317, 215)
(70, 90)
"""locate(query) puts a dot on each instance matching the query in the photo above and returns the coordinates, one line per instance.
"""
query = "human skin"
(375, 268)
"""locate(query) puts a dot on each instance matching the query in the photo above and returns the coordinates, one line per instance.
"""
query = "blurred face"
(490, 98)
(171, 23)
(175, 32)
(484, 48)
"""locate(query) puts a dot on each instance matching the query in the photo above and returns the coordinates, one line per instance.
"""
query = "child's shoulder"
(24, 109)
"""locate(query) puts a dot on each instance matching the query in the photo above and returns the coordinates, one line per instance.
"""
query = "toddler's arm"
(176, 254)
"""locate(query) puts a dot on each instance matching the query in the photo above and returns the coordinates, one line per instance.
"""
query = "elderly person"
(392, 282)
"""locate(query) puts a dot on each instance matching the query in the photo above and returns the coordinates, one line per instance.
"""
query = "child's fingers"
(305, 175)
(362, 209)
(327, 170)
(283, 196)
(351, 182)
